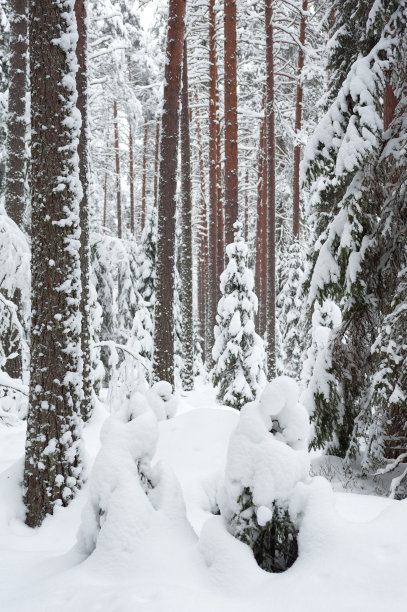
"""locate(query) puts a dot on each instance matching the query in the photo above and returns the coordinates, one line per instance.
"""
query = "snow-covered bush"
(125, 490)
(238, 353)
(267, 458)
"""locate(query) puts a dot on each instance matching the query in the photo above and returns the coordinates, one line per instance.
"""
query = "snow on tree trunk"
(53, 469)
(163, 365)
(187, 373)
(84, 213)
(238, 352)
(15, 201)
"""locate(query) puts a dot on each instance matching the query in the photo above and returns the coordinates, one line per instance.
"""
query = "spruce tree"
(53, 468)
(238, 352)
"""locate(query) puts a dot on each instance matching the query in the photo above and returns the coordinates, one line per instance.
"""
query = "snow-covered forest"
(203, 305)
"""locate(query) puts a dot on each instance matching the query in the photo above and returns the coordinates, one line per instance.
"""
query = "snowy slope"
(352, 547)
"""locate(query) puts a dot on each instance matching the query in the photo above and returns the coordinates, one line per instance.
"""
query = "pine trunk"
(213, 242)
(271, 194)
(186, 238)
(15, 200)
(156, 160)
(298, 117)
(230, 103)
(117, 158)
(53, 472)
(82, 104)
(131, 176)
(163, 363)
(144, 177)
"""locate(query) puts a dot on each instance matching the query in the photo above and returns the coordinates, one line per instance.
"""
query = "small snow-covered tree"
(238, 353)
(267, 458)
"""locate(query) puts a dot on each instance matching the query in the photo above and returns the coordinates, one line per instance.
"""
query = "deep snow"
(352, 547)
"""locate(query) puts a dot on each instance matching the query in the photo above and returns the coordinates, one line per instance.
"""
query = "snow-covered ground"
(352, 547)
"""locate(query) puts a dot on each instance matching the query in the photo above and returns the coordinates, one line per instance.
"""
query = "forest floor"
(352, 549)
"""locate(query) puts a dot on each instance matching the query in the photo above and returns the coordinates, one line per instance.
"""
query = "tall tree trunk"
(264, 238)
(213, 244)
(298, 117)
(131, 174)
(156, 160)
(163, 362)
(117, 158)
(271, 194)
(202, 240)
(52, 472)
(15, 200)
(231, 159)
(144, 176)
(259, 226)
(82, 104)
(105, 201)
(187, 373)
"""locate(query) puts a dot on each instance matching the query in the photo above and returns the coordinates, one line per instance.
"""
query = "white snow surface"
(167, 551)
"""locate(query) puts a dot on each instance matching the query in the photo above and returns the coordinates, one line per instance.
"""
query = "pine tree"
(15, 201)
(163, 366)
(53, 470)
(238, 352)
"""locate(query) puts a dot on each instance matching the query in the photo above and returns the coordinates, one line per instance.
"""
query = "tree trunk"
(15, 201)
(82, 104)
(389, 106)
(144, 176)
(53, 472)
(156, 160)
(163, 363)
(105, 201)
(131, 174)
(186, 237)
(231, 159)
(213, 244)
(271, 194)
(298, 117)
(117, 157)
(202, 242)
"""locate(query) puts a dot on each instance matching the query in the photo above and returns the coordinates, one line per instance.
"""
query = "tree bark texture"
(271, 193)
(15, 201)
(82, 104)
(156, 160)
(187, 374)
(163, 361)
(117, 158)
(131, 177)
(298, 118)
(144, 177)
(213, 235)
(230, 104)
(53, 472)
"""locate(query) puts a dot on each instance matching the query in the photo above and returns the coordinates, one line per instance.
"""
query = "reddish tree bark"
(117, 158)
(298, 117)
(271, 193)
(389, 106)
(230, 104)
(163, 362)
(131, 173)
(144, 176)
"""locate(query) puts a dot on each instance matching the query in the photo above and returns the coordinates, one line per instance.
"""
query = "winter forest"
(203, 305)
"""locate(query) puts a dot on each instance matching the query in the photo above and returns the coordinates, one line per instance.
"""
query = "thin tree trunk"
(52, 471)
(264, 238)
(271, 194)
(231, 154)
(259, 226)
(15, 200)
(203, 239)
(163, 362)
(213, 243)
(105, 201)
(186, 238)
(298, 117)
(144, 176)
(156, 160)
(82, 104)
(131, 173)
(117, 157)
